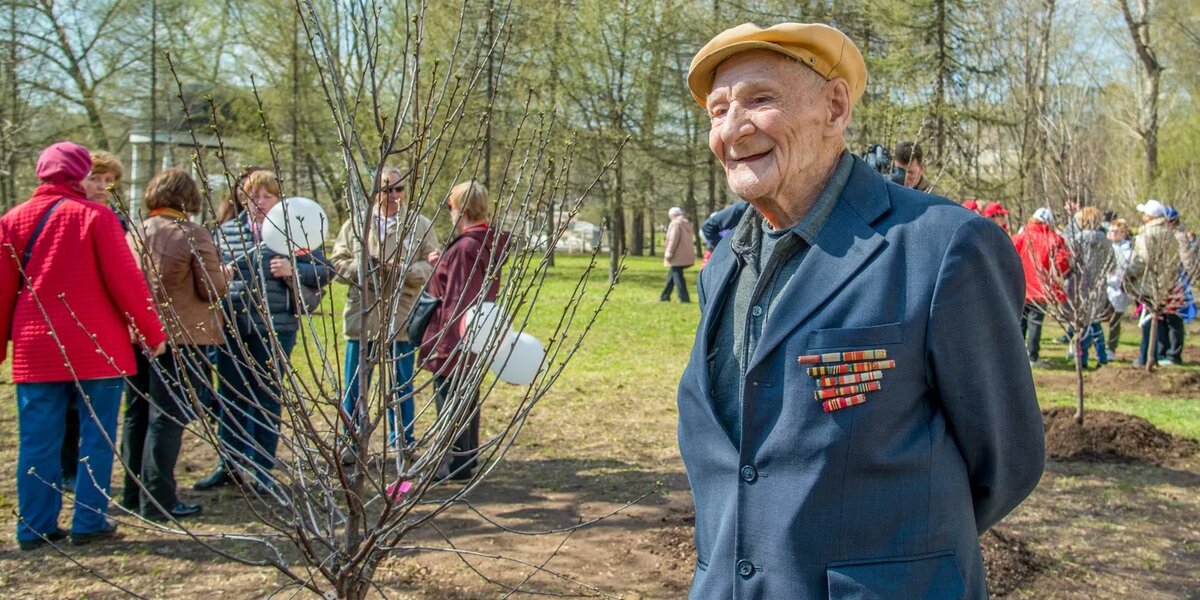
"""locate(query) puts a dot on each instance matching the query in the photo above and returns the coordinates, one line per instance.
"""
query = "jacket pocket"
(856, 337)
(929, 576)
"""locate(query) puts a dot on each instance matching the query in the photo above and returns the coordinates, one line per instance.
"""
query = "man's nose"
(737, 125)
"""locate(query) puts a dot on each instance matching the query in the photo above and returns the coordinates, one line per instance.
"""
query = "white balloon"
(518, 359)
(484, 324)
(296, 224)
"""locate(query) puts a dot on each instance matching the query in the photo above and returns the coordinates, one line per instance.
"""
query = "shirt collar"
(747, 236)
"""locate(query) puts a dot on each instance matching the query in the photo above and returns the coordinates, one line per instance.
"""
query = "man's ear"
(837, 100)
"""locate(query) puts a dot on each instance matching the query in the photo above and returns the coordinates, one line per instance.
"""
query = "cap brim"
(700, 78)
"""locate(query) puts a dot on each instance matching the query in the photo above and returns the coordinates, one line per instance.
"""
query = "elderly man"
(850, 419)
(678, 254)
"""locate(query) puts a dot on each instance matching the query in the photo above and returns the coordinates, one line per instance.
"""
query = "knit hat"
(64, 162)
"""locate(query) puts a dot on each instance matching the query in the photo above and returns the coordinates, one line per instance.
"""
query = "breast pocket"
(856, 337)
(930, 577)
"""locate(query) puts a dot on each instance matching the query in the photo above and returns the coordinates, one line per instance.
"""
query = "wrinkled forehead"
(754, 69)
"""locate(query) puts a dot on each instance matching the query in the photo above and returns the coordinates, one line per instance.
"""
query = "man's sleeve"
(980, 369)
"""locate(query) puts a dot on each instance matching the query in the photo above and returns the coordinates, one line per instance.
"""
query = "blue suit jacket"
(885, 499)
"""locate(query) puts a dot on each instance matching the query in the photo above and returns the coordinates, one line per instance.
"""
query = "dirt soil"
(1110, 436)
(1009, 562)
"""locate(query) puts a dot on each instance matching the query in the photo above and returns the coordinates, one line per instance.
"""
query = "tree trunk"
(637, 233)
(1139, 31)
(1152, 344)
(942, 66)
(1078, 347)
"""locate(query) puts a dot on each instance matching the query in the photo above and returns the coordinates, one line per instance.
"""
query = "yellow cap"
(821, 47)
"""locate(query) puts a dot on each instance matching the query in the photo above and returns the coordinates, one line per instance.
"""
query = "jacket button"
(749, 474)
(745, 568)
(757, 311)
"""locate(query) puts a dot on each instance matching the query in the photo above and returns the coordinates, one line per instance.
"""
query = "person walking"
(466, 274)
(70, 295)
(678, 254)
(184, 269)
(378, 308)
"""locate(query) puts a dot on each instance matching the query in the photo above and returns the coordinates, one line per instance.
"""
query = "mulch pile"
(1009, 562)
(1110, 437)
(1165, 382)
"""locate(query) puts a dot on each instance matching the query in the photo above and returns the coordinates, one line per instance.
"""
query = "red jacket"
(471, 261)
(88, 291)
(1037, 244)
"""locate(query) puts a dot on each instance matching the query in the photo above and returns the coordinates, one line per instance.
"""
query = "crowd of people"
(99, 308)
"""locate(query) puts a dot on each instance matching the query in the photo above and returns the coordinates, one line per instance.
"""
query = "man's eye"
(760, 99)
(717, 112)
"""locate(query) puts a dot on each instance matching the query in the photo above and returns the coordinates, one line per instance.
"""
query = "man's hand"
(281, 268)
(433, 257)
(228, 270)
(158, 350)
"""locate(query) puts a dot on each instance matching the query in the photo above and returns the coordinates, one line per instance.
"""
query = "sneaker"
(179, 511)
(1062, 339)
(349, 456)
(1039, 364)
(220, 477)
(1166, 362)
(57, 535)
(109, 531)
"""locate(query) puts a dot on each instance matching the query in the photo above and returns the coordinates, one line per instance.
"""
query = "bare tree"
(329, 525)
(1076, 297)
(1137, 16)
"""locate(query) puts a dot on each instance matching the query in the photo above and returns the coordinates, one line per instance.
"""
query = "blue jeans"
(249, 399)
(402, 355)
(41, 415)
(1094, 337)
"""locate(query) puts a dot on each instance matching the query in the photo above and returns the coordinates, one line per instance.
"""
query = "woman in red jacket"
(467, 273)
(1047, 260)
(69, 292)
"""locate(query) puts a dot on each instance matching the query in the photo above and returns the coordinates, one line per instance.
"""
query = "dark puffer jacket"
(252, 282)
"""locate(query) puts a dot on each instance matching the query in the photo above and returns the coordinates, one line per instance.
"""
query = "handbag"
(306, 299)
(422, 314)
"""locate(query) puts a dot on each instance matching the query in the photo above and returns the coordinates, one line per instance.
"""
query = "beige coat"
(379, 295)
(183, 269)
(679, 249)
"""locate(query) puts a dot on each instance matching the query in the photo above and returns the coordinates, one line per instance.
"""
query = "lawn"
(606, 435)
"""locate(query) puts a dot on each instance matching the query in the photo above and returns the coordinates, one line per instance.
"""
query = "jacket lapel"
(721, 269)
(843, 247)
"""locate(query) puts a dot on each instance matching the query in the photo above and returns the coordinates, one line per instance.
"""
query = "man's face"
(96, 186)
(768, 122)
(391, 193)
(1001, 220)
